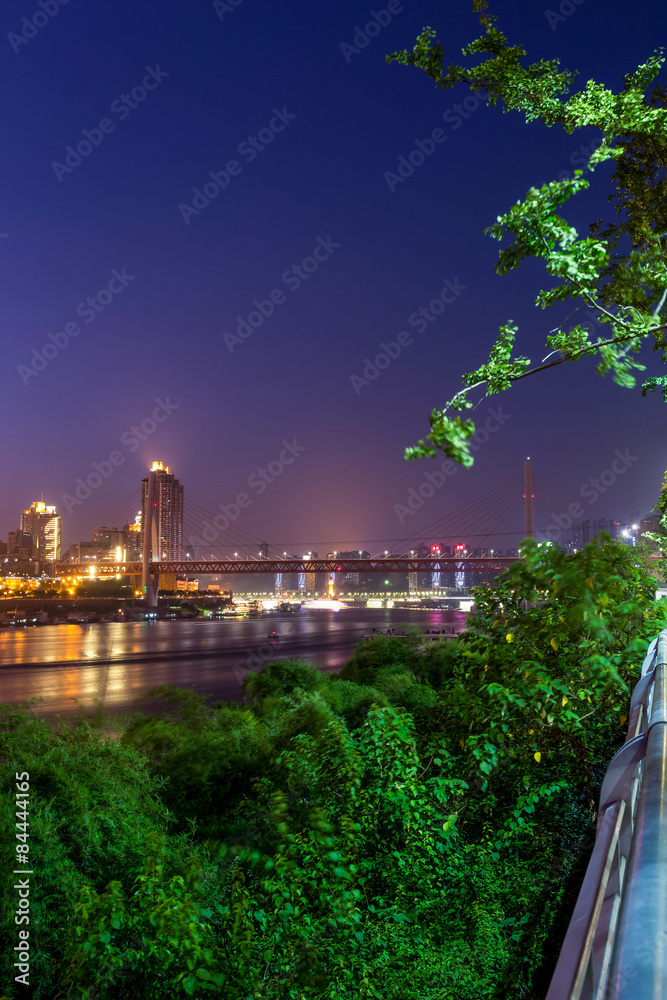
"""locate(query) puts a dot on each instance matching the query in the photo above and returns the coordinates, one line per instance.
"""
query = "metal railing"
(616, 945)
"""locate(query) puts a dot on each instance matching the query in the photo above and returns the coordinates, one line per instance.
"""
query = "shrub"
(93, 808)
(283, 677)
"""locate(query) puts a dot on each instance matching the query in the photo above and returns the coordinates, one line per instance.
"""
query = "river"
(71, 666)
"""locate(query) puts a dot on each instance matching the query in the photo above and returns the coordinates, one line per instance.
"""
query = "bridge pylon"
(151, 549)
(528, 497)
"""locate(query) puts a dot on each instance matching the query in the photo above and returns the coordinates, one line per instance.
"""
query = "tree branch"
(561, 360)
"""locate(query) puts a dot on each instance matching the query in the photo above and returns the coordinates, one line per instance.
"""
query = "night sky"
(176, 279)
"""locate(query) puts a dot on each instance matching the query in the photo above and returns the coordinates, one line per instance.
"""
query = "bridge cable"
(98, 519)
(566, 495)
(204, 511)
(222, 546)
(219, 544)
(468, 509)
(236, 530)
(468, 523)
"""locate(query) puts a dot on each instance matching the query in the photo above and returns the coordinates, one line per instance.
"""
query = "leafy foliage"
(406, 828)
(660, 536)
(94, 809)
(619, 271)
(150, 944)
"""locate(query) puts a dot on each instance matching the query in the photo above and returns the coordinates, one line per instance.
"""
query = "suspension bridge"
(482, 522)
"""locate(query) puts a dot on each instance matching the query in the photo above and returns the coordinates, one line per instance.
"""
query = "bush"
(352, 701)
(375, 654)
(93, 808)
(282, 678)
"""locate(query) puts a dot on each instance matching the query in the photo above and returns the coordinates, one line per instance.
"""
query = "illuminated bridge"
(483, 520)
(152, 571)
(388, 564)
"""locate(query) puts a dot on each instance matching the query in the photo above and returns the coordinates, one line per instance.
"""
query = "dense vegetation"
(412, 827)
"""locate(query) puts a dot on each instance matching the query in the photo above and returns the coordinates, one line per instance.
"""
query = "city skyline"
(42, 525)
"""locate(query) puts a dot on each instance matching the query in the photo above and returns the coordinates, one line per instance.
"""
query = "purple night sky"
(168, 285)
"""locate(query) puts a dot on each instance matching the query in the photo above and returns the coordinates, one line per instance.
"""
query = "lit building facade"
(314, 582)
(169, 493)
(134, 539)
(111, 538)
(107, 545)
(45, 525)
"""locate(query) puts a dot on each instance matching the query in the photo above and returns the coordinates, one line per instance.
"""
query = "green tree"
(619, 271)
(660, 536)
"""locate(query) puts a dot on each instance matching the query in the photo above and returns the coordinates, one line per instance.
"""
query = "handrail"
(616, 944)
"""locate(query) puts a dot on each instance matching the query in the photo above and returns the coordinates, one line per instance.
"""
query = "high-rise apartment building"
(134, 539)
(352, 580)
(169, 499)
(314, 582)
(21, 543)
(109, 538)
(45, 526)
(585, 531)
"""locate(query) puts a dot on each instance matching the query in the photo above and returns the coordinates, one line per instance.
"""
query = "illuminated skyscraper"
(169, 512)
(134, 539)
(313, 581)
(45, 526)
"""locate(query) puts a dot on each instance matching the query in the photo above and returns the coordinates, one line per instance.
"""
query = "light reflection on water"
(114, 663)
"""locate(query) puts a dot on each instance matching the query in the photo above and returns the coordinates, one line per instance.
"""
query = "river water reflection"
(71, 665)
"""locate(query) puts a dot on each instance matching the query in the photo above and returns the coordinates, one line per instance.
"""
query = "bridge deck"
(390, 564)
